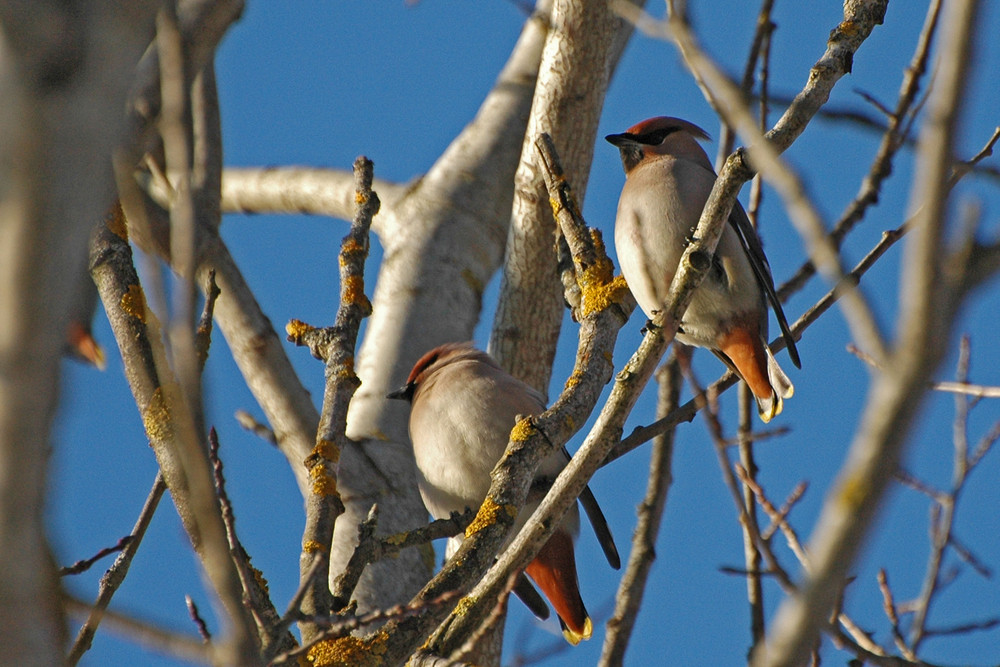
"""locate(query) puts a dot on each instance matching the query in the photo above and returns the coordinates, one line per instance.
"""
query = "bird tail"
(554, 571)
(753, 361)
(770, 406)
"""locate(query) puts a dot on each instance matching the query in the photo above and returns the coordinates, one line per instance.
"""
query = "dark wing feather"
(755, 253)
(600, 524)
(531, 598)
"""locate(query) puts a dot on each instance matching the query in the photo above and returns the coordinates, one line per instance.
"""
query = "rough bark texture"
(442, 243)
(568, 101)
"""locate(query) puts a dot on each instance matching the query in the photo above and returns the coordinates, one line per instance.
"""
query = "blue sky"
(318, 83)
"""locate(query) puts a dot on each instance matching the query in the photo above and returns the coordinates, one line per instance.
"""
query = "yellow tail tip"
(575, 638)
(771, 410)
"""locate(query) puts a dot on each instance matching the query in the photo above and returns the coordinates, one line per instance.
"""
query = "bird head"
(431, 362)
(662, 135)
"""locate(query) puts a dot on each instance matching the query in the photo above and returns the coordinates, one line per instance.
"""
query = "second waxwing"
(463, 407)
(668, 178)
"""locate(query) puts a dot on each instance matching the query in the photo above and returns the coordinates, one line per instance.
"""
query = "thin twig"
(185, 647)
(115, 575)
(372, 548)
(628, 600)
(256, 597)
(889, 605)
(776, 517)
(250, 423)
(203, 340)
(893, 137)
(335, 346)
(198, 620)
(335, 628)
(85, 564)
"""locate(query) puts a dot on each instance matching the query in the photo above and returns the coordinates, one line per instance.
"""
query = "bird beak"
(620, 139)
(404, 393)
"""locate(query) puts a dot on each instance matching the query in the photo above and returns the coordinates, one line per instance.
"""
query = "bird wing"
(739, 221)
(599, 523)
(531, 598)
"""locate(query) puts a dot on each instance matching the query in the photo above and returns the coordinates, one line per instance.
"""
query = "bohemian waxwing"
(668, 178)
(463, 407)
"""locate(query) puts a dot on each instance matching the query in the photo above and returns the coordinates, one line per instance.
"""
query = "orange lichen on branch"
(353, 293)
(599, 293)
(853, 492)
(326, 449)
(323, 482)
(133, 302)
(465, 604)
(487, 515)
(573, 379)
(598, 284)
(523, 430)
(347, 652)
(156, 418)
(351, 247)
(115, 221)
(312, 546)
(296, 330)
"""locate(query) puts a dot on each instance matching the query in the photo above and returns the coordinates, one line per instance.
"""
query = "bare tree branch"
(309, 190)
(335, 346)
(115, 575)
(628, 600)
(568, 97)
(924, 324)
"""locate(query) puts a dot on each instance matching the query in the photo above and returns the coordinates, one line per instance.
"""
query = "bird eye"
(656, 137)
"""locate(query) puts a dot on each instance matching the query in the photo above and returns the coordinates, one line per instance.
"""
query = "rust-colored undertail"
(554, 571)
(744, 348)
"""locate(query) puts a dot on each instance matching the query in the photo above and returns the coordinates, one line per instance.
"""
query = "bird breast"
(658, 211)
(460, 424)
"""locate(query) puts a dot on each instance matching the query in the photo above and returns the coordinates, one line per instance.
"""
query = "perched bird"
(463, 407)
(80, 341)
(668, 178)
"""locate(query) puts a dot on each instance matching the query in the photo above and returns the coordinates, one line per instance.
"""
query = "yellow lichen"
(352, 247)
(156, 418)
(556, 206)
(323, 483)
(133, 302)
(848, 28)
(348, 652)
(487, 515)
(573, 379)
(259, 578)
(353, 292)
(598, 240)
(465, 604)
(360, 197)
(523, 430)
(328, 450)
(600, 293)
(115, 221)
(345, 371)
(296, 329)
(312, 546)
(853, 492)
(397, 539)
